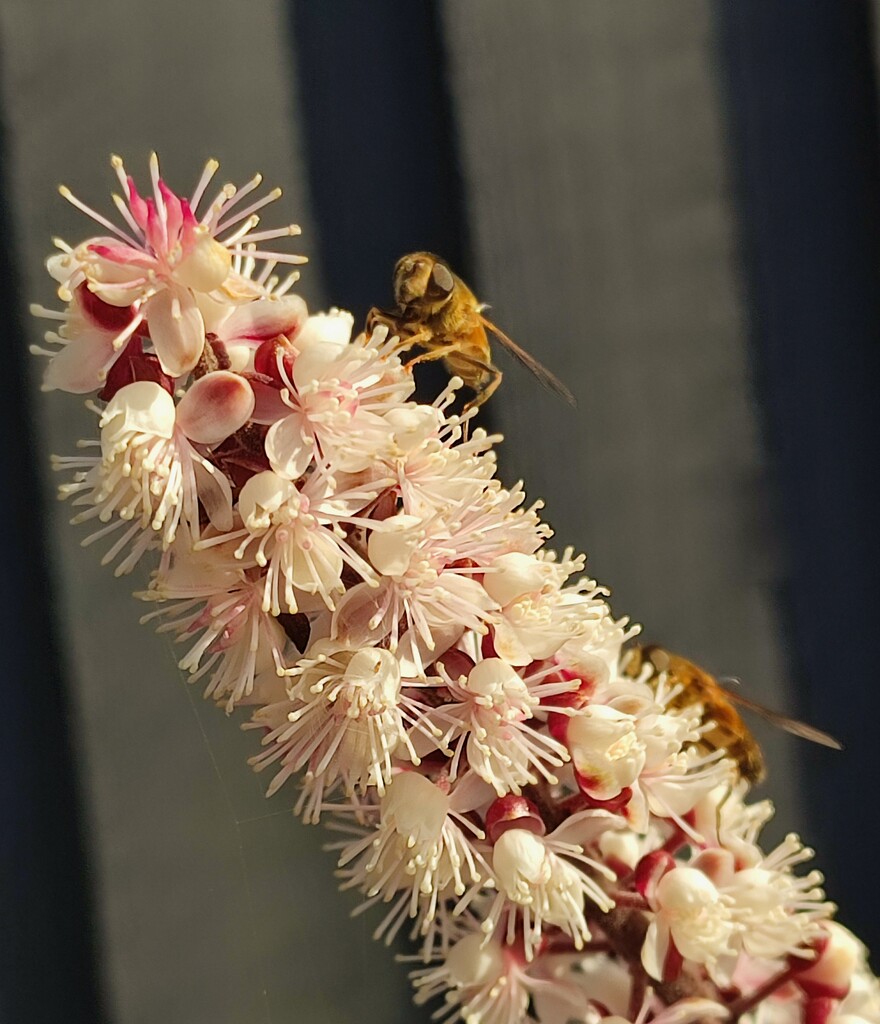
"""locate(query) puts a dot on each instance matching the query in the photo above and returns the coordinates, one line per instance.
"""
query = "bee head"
(421, 277)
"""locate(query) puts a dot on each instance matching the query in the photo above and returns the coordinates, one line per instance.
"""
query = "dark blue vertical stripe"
(47, 953)
(801, 91)
(380, 145)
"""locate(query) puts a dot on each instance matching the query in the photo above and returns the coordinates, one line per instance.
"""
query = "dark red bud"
(267, 355)
(513, 812)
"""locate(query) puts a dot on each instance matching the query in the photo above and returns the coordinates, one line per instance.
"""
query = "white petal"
(319, 570)
(82, 364)
(691, 1009)
(215, 406)
(289, 450)
(315, 361)
(143, 407)
(514, 575)
(176, 329)
(262, 495)
(391, 547)
(655, 948)
(332, 328)
(206, 265)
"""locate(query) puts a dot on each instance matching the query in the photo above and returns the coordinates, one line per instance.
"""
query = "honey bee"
(437, 312)
(726, 729)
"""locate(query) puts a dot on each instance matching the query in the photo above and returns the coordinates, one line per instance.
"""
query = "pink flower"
(167, 259)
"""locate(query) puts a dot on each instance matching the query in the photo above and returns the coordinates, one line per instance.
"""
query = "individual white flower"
(296, 534)
(240, 649)
(434, 466)
(419, 592)
(336, 392)
(420, 855)
(606, 750)
(487, 981)
(541, 880)
(480, 981)
(633, 749)
(166, 257)
(489, 725)
(538, 617)
(150, 477)
(692, 918)
(840, 959)
(346, 718)
(780, 913)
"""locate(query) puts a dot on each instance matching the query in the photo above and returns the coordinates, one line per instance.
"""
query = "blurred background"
(673, 205)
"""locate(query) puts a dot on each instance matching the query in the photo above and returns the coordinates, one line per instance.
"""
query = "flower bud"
(267, 355)
(215, 406)
(513, 812)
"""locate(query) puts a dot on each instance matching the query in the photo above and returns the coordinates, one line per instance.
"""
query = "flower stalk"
(547, 820)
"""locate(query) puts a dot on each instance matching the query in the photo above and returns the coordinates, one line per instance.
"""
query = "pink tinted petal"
(156, 237)
(119, 253)
(176, 329)
(187, 236)
(81, 366)
(269, 405)
(136, 204)
(265, 318)
(215, 406)
(173, 210)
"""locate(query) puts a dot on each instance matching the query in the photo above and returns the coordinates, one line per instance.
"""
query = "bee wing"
(548, 379)
(792, 725)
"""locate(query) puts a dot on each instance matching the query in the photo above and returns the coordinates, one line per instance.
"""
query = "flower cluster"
(552, 825)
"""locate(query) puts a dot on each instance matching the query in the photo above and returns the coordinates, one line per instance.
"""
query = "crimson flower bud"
(513, 812)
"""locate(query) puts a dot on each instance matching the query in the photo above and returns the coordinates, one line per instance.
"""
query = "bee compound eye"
(442, 277)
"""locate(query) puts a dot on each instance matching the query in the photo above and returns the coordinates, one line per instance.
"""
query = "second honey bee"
(436, 311)
(726, 729)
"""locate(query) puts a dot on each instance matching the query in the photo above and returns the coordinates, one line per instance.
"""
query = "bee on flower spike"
(437, 312)
(726, 729)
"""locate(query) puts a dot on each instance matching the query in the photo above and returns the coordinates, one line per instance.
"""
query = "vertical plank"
(595, 166)
(209, 909)
(804, 122)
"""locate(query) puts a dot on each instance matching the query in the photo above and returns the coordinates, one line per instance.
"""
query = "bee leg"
(411, 341)
(381, 318)
(491, 378)
(435, 353)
